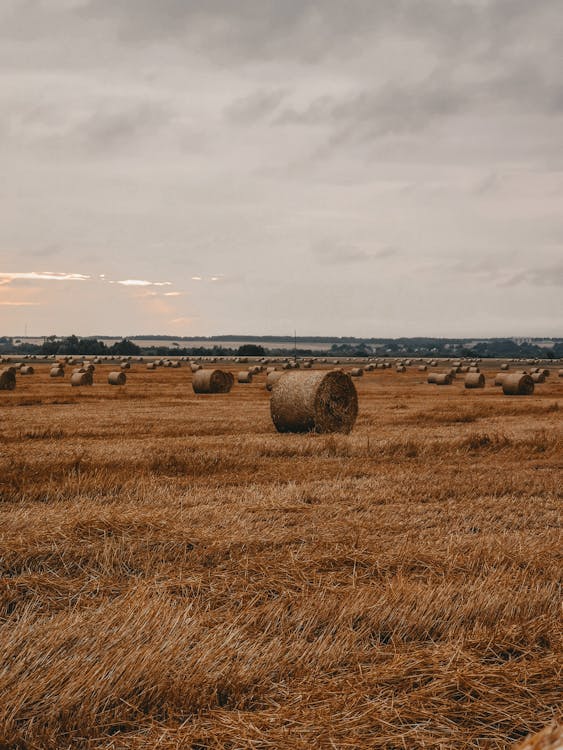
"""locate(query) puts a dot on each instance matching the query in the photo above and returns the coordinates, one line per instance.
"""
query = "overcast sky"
(346, 167)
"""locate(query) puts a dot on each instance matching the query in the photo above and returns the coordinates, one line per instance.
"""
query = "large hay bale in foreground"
(314, 401)
(117, 378)
(82, 378)
(273, 378)
(517, 384)
(7, 379)
(474, 380)
(550, 738)
(212, 381)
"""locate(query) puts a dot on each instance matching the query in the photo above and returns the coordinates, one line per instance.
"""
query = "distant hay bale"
(550, 738)
(245, 376)
(499, 377)
(473, 368)
(504, 366)
(357, 372)
(194, 367)
(538, 377)
(474, 380)
(7, 379)
(56, 372)
(314, 401)
(151, 365)
(561, 373)
(117, 378)
(212, 381)
(400, 368)
(26, 370)
(440, 378)
(517, 384)
(125, 365)
(422, 368)
(273, 378)
(82, 378)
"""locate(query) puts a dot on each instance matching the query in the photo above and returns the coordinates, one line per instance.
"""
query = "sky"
(360, 168)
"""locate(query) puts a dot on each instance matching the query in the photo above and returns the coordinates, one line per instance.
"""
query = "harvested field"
(177, 574)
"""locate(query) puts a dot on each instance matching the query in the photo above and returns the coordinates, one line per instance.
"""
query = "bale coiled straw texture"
(212, 381)
(550, 738)
(517, 384)
(314, 401)
(474, 380)
(82, 378)
(117, 378)
(7, 379)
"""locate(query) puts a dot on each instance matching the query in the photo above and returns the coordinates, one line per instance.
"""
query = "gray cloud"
(328, 252)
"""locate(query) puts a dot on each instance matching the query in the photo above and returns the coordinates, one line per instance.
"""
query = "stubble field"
(176, 574)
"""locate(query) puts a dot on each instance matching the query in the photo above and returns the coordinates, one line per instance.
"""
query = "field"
(175, 574)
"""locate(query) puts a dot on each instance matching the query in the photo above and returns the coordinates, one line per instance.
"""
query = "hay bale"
(151, 365)
(7, 379)
(314, 401)
(357, 372)
(125, 365)
(212, 381)
(550, 738)
(422, 368)
(273, 378)
(440, 378)
(499, 378)
(245, 376)
(517, 384)
(400, 368)
(474, 380)
(26, 370)
(194, 367)
(504, 366)
(56, 372)
(538, 377)
(561, 373)
(117, 378)
(82, 378)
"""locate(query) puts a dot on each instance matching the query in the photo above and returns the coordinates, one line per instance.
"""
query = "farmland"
(176, 574)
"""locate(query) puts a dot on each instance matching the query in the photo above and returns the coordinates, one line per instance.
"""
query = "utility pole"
(295, 345)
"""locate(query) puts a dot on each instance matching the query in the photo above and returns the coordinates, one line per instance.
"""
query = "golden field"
(175, 574)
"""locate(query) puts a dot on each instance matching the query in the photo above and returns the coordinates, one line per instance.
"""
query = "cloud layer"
(339, 168)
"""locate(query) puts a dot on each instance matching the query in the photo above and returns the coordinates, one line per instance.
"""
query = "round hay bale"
(273, 378)
(550, 738)
(56, 372)
(212, 381)
(473, 368)
(125, 365)
(7, 379)
(517, 384)
(422, 368)
(357, 372)
(26, 370)
(561, 373)
(474, 380)
(117, 378)
(538, 377)
(151, 365)
(440, 378)
(194, 367)
(499, 377)
(314, 401)
(244, 377)
(81, 378)
(400, 368)
(504, 366)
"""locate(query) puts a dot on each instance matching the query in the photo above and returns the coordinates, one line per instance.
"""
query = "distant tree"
(125, 348)
(251, 350)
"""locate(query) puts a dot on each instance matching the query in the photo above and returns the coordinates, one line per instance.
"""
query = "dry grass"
(176, 574)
